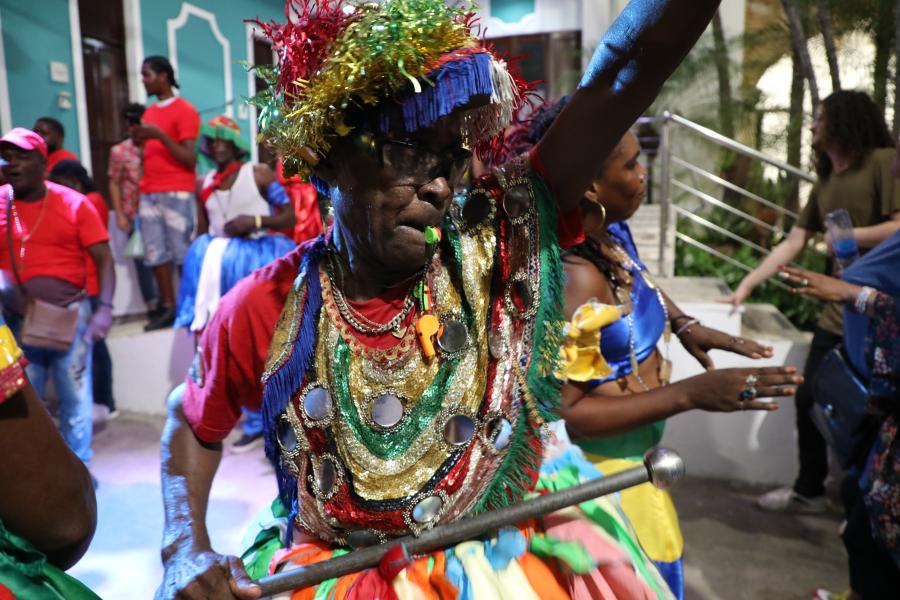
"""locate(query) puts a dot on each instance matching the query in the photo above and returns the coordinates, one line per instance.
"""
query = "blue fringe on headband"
(450, 86)
(288, 379)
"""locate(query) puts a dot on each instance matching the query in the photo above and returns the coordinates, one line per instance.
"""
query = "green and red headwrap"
(223, 128)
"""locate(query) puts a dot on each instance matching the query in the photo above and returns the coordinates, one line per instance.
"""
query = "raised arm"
(782, 254)
(633, 60)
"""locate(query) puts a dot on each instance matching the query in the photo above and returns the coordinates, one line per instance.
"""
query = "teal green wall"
(35, 33)
(200, 55)
(512, 11)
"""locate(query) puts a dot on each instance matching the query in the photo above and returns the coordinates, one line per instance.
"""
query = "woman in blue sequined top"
(618, 414)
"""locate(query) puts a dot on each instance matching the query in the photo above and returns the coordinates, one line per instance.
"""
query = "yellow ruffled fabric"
(10, 353)
(580, 357)
(650, 510)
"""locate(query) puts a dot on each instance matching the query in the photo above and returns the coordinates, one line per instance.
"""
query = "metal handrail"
(734, 188)
(720, 230)
(722, 256)
(738, 147)
(670, 212)
(719, 204)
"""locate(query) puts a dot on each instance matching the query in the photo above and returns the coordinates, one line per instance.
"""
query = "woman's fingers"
(749, 348)
(759, 405)
(766, 371)
(776, 391)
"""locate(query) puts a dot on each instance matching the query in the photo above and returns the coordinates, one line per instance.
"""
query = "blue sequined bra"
(648, 316)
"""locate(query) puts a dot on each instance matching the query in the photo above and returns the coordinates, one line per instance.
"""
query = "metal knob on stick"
(662, 467)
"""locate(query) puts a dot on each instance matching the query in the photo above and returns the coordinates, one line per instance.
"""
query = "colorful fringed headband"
(222, 128)
(415, 60)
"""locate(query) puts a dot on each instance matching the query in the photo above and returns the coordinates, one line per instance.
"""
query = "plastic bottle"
(843, 243)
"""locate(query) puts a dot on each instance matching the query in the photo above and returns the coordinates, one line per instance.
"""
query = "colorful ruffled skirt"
(655, 522)
(587, 551)
(214, 265)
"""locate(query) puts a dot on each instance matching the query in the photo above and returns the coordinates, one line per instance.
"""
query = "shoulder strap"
(9, 240)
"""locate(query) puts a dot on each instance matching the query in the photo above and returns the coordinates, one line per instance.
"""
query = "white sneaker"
(787, 500)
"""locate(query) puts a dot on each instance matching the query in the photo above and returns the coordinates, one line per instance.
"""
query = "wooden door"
(105, 80)
(262, 55)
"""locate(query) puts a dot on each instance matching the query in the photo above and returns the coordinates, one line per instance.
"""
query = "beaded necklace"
(591, 251)
(24, 237)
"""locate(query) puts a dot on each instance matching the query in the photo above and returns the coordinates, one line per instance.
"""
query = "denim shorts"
(167, 225)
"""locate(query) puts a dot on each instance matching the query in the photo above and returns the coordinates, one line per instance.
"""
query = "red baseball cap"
(25, 139)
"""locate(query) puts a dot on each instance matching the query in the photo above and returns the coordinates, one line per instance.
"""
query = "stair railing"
(672, 170)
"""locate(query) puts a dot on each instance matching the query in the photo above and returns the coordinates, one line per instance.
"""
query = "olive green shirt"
(869, 193)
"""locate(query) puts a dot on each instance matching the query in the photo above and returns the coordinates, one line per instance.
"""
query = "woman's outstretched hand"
(699, 340)
(730, 390)
(819, 286)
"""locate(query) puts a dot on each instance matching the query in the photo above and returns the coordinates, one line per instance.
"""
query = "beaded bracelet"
(686, 327)
(862, 300)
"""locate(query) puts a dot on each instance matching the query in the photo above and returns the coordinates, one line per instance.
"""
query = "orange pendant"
(426, 328)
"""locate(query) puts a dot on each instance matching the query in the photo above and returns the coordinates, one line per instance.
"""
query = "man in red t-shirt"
(54, 135)
(47, 231)
(167, 209)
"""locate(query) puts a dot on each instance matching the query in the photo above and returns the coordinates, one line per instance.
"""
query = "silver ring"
(804, 282)
(751, 380)
(748, 393)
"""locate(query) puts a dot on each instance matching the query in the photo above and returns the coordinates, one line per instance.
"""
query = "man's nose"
(435, 192)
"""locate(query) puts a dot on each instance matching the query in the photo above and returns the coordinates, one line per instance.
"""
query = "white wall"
(598, 15)
(754, 447)
(147, 366)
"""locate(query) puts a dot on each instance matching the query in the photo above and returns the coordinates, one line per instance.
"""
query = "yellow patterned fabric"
(12, 371)
(580, 357)
(10, 353)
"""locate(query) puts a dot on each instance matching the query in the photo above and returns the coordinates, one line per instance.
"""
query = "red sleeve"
(188, 122)
(231, 353)
(91, 229)
(100, 206)
(570, 226)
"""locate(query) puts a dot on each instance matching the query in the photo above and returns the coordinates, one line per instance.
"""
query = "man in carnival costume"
(406, 382)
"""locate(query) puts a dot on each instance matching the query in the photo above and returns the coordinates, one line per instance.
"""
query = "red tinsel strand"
(302, 43)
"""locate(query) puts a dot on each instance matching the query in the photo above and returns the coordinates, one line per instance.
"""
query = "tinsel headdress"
(415, 60)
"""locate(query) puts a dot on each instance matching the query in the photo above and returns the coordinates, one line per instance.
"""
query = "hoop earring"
(603, 215)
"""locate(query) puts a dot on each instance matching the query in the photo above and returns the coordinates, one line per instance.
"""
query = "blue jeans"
(71, 374)
(102, 369)
(253, 422)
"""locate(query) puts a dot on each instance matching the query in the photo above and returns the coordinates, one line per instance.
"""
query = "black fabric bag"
(840, 411)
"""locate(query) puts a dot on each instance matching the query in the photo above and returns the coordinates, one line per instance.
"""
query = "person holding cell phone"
(854, 156)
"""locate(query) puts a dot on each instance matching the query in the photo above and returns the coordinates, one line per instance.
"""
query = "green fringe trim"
(550, 319)
(512, 482)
